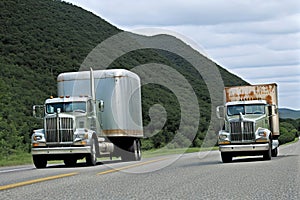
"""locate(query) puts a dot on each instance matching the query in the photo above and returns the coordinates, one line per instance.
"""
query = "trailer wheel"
(139, 152)
(226, 157)
(133, 153)
(91, 159)
(39, 161)
(135, 149)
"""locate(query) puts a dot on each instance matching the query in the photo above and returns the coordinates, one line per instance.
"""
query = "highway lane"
(190, 176)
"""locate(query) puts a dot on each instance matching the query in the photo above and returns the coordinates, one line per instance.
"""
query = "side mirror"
(220, 111)
(38, 111)
(101, 105)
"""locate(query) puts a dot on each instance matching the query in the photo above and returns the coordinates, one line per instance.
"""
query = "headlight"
(37, 137)
(262, 136)
(222, 137)
(81, 135)
(262, 133)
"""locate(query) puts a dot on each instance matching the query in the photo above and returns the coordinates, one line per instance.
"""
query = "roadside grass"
(16, 159)
(294, 141)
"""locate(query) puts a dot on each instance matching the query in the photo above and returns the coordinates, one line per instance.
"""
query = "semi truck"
(96, 114)
(250, 122)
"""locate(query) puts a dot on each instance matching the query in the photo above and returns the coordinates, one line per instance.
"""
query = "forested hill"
(285, 113)
(41, 38)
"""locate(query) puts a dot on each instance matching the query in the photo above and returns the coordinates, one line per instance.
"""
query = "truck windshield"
(66, 107)
(245, 109)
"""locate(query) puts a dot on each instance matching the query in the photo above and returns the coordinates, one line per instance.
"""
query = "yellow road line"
(14, 185)
(130, 166)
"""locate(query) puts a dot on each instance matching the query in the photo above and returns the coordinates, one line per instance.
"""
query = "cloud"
(193, 12)
(255, 56)
(286, 74)
(286, 77)
(256, 40)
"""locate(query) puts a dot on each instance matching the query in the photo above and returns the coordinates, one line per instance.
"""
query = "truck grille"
(242, 131)
(59, 131)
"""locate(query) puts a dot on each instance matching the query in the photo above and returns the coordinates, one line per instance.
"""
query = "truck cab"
(69, 123)
(251, 126)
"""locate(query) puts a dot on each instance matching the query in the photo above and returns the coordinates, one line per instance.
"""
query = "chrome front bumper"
(61, 150)
(244, 147)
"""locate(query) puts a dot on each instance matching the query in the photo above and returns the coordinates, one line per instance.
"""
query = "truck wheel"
(39, 161)
(70, 162)
(268, 154)
(226, 157)
(91, 159)
(139, 151)
(133, 153)
(274, 152)
(135, 149)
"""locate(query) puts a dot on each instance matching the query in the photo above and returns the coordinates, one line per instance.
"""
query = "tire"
(268, 154)
(91, 159)
(135, 149)
(226, 157)
(139, 151)
(39, 161)
(274, 152)
(70, 162)
(133, 153)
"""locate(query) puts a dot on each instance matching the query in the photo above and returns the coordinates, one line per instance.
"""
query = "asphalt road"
(190, 176)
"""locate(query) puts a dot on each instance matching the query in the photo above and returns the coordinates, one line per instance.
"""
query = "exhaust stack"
(92, 84)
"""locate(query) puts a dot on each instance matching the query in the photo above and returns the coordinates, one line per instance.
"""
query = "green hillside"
(286, 113)
(41, 38)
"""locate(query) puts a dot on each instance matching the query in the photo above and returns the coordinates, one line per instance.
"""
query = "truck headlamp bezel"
(38, 139)
(38, 136)
(224, 138)
(223, 135)
(262, 135)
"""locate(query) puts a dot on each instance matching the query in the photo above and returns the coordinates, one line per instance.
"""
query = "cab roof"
(67, 99)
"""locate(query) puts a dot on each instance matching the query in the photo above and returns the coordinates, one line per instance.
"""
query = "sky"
(257, 40)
